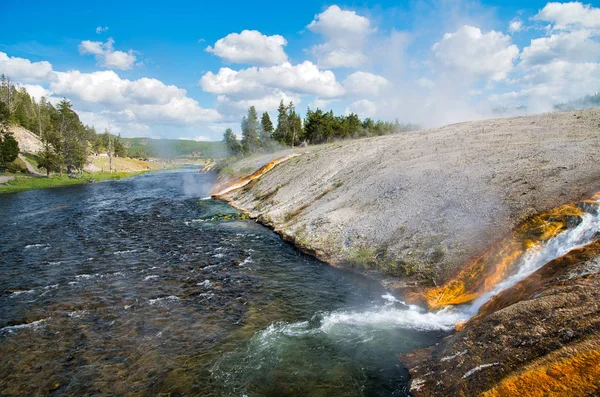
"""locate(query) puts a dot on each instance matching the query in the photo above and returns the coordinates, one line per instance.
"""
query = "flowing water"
(139, 286)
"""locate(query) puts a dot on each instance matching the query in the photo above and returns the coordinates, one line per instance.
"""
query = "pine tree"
(233, 146)
(294, 123)
(282, 124)
(267, 130)
(9, 148)
(250, 128)
(72, 135)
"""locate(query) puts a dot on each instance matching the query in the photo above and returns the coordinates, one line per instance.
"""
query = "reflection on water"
(138, 286)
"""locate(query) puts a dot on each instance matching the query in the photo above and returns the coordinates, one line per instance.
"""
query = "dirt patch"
(28, 141)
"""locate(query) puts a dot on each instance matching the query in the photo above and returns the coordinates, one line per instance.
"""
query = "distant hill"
(172, 148)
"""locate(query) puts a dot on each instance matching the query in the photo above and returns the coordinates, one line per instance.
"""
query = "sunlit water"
(138, 286)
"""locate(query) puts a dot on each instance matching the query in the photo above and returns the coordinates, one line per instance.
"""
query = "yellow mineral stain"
(576, 375)
(480, 275)
(257, 174)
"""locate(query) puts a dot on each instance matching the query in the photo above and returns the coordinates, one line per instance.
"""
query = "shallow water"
(140, 287)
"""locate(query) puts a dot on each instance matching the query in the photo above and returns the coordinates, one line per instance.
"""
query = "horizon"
(191, 73)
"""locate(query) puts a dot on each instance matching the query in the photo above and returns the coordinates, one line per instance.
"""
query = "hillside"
(173, 148)
(481, 223)
(419, 205)
(28, 141)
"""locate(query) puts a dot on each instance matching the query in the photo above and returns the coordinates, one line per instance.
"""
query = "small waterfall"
(395, 313)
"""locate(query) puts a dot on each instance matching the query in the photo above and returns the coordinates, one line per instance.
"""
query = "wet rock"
(543, 325)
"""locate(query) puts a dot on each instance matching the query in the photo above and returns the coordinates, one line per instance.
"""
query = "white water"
(396, 314)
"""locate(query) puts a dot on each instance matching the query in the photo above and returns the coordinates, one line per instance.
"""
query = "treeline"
(67, 142)
(317, 127)
(173, 148)
(588, 101)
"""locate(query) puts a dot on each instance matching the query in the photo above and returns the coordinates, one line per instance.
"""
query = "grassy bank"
(22, 183)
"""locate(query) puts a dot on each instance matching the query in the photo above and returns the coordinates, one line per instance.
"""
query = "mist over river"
(139, 286)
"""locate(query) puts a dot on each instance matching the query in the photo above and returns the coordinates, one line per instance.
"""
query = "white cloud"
(319, 103)
(364, 83)
(364, 108)
(143, 100)
(569, 46)
(200, 138)
(234, 109)
(544, 85)
(345, 33)
(303, 78)
(515, 26)
(340, 26)
(425, 83)
(475, 55)
(36, 91)
(106, 56)
(101, 29)
(570, 15)
(20, 69)
(330, 57)
(250, 46)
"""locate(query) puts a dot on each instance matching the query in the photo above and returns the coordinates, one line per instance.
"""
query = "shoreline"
(26, 183)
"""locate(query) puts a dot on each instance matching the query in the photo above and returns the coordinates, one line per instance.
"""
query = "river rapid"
(141, 287)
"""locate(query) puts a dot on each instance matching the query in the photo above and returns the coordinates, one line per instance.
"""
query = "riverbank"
(421, 205)
(435, 209)
(21, 183)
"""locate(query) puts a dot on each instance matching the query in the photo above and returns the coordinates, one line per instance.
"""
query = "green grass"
(32, 158)
(22, 183)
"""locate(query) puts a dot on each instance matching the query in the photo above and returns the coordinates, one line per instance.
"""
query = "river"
(140, 287)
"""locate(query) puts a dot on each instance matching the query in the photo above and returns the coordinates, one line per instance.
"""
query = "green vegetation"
(9, 148)
(22, 183)
(144, 148)
(318, 127)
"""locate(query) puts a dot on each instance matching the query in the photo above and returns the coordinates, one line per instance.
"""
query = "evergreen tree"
(267, 130)
(72, 136)
(282, 130)
(294, 122)
(233, 146)
(250, 128)
(9, 148)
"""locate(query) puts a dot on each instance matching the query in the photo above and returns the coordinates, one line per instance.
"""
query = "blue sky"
(191, 69)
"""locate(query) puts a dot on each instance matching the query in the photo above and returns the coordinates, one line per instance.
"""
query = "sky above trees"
(192, 69)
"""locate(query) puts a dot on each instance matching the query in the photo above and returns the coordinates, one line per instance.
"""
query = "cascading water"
(396, 314)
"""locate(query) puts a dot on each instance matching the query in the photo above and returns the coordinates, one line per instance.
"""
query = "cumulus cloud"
(364, 83)
(331, 57)
(303, 78)
(37, 91)
(345, 32)
(234, 109)
(364, 108)
(544, 85)
(101, 29)
(250, 46)
(474, 54)
(144, 100)
(21, 69)
(575, 46)
(573, 15)
(107, 56)
(515, 26)
(424, 82)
